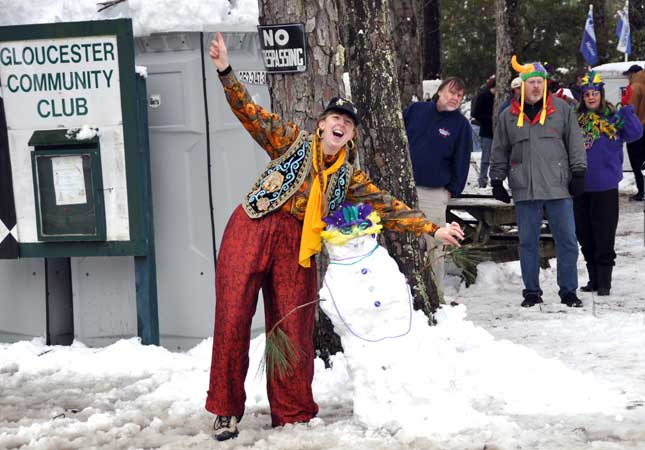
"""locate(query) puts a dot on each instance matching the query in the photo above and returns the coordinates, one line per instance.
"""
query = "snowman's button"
(364, 270)
(377, 303)
(371, 288)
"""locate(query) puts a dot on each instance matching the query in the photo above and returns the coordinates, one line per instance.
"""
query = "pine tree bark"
(302, 97)
(431, 39)
(637, 24)
(636, 15)
(506, 22)
(406, 28)
(382, 142)
(601, 28)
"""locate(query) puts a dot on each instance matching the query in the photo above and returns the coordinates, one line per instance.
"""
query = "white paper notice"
(69, 182)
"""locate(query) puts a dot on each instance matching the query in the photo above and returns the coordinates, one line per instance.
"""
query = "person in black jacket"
(483, 112)
(576, 87)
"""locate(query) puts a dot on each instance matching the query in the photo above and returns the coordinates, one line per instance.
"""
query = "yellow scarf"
(310, 242)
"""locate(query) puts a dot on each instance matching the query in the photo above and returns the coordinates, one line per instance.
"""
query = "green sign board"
(81, 198)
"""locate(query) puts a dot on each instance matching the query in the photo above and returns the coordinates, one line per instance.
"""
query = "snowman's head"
(351, 226)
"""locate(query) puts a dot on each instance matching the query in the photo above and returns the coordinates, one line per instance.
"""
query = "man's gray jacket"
(538, 159)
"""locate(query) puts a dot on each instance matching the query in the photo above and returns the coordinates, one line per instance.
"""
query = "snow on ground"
(604, 338)
(504, 359)
(548, 377)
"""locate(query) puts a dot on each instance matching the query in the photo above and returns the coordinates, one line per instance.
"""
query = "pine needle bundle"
(280, 353)
(467, 257)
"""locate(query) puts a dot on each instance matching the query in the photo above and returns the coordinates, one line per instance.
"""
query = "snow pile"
(437, 381)
(82, 134)
(428, 381)
(148, 16)
(99, 396)
(491, 371)
(142, 71)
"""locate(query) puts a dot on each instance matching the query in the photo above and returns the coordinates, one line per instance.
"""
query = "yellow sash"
(310, 242)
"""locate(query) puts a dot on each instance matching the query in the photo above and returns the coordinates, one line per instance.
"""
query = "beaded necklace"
(593, 125)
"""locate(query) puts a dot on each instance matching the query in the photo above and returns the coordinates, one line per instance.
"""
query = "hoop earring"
(351, 145)
(319, 133)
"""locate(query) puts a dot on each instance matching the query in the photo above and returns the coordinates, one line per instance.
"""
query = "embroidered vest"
(284, 175)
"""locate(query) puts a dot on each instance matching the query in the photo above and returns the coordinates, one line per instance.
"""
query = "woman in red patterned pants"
(271, 239)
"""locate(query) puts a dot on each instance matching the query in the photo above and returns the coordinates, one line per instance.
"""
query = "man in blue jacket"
(440, 140)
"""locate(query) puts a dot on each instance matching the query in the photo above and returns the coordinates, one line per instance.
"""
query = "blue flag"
(622, 32)
(588, 45)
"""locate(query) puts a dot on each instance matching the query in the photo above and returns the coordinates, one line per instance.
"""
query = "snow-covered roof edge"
(148, 16)
(618, 67)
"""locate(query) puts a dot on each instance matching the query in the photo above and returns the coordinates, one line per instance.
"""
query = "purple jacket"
(605, 157)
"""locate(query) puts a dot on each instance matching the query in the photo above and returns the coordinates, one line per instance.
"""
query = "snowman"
(385, 342)
(376, 303)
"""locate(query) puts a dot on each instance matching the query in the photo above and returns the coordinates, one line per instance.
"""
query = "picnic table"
(490, 228)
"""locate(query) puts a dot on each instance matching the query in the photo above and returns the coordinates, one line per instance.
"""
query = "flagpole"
(627, 10)
(591, 14)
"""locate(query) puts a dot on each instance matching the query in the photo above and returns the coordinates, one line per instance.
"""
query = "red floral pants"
(262, 253)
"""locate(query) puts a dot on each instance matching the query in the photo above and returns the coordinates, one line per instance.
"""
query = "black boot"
(604, 279)
(530, 300)
(571, 300)
(592, 285)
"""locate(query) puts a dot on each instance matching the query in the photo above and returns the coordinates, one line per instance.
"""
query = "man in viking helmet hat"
(538, 146)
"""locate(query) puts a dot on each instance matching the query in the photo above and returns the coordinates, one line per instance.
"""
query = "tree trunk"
(302, 97)
(506, 22)
(383, 143)
(637, 24)
(601, 28)
(636, 15)
(431, 39)
(407, 44)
